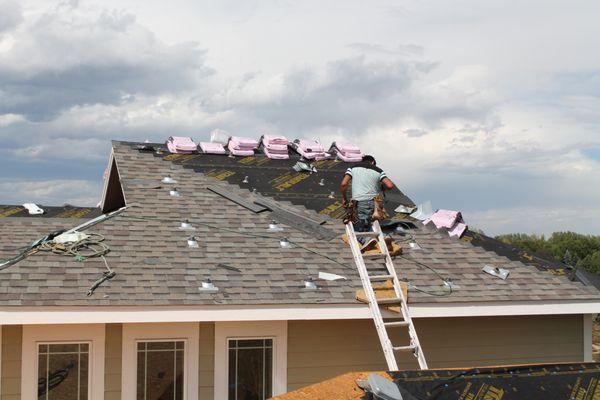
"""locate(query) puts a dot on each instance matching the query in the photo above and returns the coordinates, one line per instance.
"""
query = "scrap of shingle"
(154, 266)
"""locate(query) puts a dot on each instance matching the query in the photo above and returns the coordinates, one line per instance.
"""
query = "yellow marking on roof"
(76, 213)
(9, 211)
(335, 210)
(467, 239)
(325, 164)
(219, 174)
(291, 181)
(248, 160)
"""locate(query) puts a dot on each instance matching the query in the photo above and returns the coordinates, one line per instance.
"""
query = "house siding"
(112, 364)
(206, 370)
(10, 371)
(319, 350)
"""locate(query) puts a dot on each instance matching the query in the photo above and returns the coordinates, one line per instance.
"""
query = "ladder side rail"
(398, 290)
(386, 343)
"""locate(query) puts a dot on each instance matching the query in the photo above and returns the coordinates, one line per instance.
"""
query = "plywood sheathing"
(343, 387)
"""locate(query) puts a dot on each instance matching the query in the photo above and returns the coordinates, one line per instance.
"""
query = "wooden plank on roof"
(256, 208)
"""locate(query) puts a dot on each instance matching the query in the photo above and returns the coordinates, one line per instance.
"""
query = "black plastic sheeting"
(547, 382)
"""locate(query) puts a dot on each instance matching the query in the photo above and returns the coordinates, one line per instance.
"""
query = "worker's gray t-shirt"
(366, 181)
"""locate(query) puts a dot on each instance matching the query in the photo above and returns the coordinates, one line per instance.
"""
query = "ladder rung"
(392, 300)
(396, 324)
(380, 277)
(374, 255)
(405, 348)
(368, 234)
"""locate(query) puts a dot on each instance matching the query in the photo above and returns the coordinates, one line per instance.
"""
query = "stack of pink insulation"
(275, 147)
(181, 145)
(346, 152)
(241, 146)
(212, 148)
(310, 149)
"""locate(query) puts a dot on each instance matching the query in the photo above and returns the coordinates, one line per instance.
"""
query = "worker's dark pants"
(365, 209)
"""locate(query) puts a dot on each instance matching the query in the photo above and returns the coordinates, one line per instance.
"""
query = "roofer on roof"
(368, 181)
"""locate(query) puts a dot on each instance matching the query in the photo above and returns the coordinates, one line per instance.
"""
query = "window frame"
(273, 352)
(275, 330)
(34, 335)
(49, 343)
(185, 345)
(189, 333)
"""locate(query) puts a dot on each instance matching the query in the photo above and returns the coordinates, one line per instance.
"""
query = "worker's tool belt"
(351, 212)
(379, 213)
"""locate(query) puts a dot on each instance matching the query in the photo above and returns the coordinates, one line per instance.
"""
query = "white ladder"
(374, 304)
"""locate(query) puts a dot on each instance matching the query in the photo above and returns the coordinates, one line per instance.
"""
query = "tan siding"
(318, 350)
(12, 339)
(112, 359)
(207, 361)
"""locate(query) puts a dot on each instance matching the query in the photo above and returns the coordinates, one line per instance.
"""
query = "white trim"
(117, 314)
(132, 333)
(588, 327)
(277, 330)
(32, 335)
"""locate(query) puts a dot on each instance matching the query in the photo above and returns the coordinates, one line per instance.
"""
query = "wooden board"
(384, 290)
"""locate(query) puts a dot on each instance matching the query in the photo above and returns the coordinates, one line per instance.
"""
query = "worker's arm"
(344, 189)
(386, 184)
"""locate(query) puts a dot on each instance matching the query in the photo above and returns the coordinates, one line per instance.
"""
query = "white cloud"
(50, 192)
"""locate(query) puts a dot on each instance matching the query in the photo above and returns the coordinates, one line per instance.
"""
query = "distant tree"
(591, 262)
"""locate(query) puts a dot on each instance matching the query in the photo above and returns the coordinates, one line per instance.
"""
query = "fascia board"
(115, 314)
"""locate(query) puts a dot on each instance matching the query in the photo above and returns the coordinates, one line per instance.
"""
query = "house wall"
(112, 364)
(318, 350)
(10, 371)
(206, 377)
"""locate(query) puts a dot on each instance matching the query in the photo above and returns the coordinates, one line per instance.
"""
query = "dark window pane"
(269, 370)
(83, 375)
(160, 372)
(63, 376)
(161, 345)
(251, 343)
(43, 348)
(232, 374)
(85, 347)
(141, 373)
(232, 344)
(63, 348)
(42, 378)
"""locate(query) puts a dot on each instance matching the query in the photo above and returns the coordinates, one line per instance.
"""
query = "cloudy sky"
(491, 108)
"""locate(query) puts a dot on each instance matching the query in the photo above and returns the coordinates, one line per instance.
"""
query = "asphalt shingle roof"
(154, 266)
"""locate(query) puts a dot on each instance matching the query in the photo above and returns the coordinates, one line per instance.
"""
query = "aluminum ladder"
(374, 304)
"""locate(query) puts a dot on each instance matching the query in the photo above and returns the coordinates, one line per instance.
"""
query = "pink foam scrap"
(212, 148)
(458, 229)
(445, 218)
(322, 156)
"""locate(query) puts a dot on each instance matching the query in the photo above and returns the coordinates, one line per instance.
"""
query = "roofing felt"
(65, 211)
(154, 265)
(544, 381)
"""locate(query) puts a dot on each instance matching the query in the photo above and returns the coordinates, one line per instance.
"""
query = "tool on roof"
(496, 271)
(181, 145)
(33, 209)
(275, 146)
(374, 304)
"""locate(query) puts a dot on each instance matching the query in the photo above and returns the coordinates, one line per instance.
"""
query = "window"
(250, 369)
(62, 362)
(160, 361)
(63, 371)
(160, 370)
(250, 359)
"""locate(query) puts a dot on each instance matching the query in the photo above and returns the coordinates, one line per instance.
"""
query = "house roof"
(154, 265)
(547, 381)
